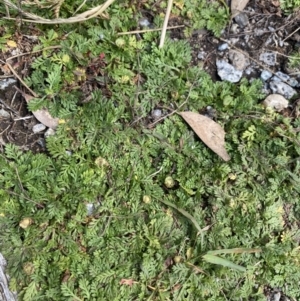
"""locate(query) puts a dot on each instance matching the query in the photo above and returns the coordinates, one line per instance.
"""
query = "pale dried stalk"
(164, 30)
(89, 14)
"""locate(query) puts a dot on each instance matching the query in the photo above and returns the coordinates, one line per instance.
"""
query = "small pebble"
(49, 132)
(4, 114)
(242, 20)
(272, 29)
(6, 83)
(258, 32)
(201, 55)
(42, 142)
(227, 72)
(265, 75)
(249, 70)
(268, 58)
(38, 128)
(156, 113)
(144, 22)
(223, 47)
(276, 102)
(90, 208)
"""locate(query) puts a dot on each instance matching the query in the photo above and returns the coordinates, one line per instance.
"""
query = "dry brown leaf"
(210, 132)
(128, 282)
(42, 115)
(237, 6)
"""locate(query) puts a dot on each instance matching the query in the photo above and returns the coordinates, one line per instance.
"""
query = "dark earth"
(268, 30)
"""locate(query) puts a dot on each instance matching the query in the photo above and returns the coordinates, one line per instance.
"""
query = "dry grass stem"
(164, 29)
(89, 14)
(148, 30)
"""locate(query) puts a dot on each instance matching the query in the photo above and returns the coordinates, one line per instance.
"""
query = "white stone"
(265, 75)
(268, 58)
(144, 22)
(223, 47)
(276, 102)
(283, 89)
(227, 72)
(38, 128)
(6, 83)
(49, 132)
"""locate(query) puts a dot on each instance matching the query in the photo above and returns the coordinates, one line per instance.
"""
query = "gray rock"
(276, 102)
(156, 113)
(227, 71)
(258, 32)
(242, 20)
(90, 208)
(144, 22)
(201, 55)
(4, 83)
(223, 47)
(265, 75)
(268, 58)
(4, 114)
(49, 132)
(238, 59)
(38, 128)
(280, 76)
(42, 142)
(283, 89)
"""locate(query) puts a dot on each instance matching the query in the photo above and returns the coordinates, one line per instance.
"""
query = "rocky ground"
(256, 44)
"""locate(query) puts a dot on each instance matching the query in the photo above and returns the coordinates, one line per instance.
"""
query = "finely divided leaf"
(210, 132)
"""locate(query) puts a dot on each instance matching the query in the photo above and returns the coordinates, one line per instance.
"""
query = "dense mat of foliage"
(133, 245)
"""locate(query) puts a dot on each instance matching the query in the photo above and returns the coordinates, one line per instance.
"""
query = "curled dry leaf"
(42, 115)
(237, 6)
(128, 282)
(210, 132)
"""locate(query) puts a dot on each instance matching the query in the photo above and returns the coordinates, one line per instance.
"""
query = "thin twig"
(22, 54)
(8, 107)
(33, 52)
(172, 113)
(164, 29)
(148, 30)
(23, 118)
(19, 78)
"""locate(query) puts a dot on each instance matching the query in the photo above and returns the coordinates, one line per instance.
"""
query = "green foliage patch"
(96, 219)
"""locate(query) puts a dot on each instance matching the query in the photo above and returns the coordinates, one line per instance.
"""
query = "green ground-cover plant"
(289, 5)
(142, 239)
